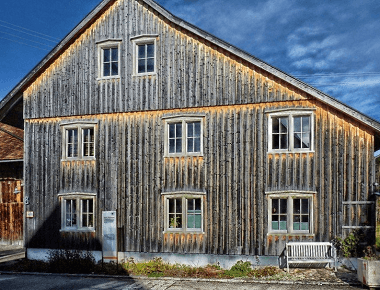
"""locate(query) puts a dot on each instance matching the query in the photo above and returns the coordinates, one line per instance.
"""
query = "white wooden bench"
(310, 253)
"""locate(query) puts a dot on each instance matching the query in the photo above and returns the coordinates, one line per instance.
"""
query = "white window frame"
(183, 120)
(80, 127)
(142, 40)
(291, 115)
(116, 43)
(184, 196)
(78, 197)
(290, 196)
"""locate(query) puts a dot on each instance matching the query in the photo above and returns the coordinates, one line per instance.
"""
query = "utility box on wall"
(109, 236)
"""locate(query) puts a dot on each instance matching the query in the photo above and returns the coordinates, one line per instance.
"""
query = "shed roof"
(11, 142)
(16, 94)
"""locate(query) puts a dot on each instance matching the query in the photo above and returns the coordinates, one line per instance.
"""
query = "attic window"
(144, 55)
(109, 59)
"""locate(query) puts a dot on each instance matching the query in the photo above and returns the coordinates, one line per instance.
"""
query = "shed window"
(290, 214)
(290, 132)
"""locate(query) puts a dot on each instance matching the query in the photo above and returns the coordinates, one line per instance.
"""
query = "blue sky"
(332, 45)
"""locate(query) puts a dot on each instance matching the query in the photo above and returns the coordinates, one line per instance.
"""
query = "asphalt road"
(60, 282)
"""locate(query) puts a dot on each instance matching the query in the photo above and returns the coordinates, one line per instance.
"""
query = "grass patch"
(84, 263)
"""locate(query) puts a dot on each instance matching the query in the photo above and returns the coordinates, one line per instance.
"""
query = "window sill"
(81, 230)
(294, 234)
(144, 74)
(78, 159)
(108, 78)
(289, 151)
(183, 155)
(169, 231)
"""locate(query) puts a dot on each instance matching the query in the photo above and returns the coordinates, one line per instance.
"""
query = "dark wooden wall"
(11, 211)
(130, 173)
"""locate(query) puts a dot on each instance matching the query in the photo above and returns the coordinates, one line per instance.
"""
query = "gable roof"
(11, 142)
(16, 94)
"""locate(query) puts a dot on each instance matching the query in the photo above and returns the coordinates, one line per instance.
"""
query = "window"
(184, 212)
(290, 132)
(109, 59)
(77, 212)
(289, 213)
(144, 54)
(78, 141)
(183, 136)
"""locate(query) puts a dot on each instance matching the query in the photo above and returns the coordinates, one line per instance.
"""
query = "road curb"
(235, 280)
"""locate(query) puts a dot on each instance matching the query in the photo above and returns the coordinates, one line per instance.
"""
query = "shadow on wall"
(49, 236)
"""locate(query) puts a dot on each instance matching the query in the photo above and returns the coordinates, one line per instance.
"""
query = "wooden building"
(11, 176)
(199, 147)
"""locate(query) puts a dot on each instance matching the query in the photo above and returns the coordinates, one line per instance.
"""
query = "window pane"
(190, 205)
(150, 50)
(150, 65)
(178, 147)
(171, 205)
(73, 135)
(106, 54)
(304, 226)
(198, 221)
(198, 204)
(284, 141)
(284, 125)
(283, 206)
(190, 147)
(305, 206)
(275, 125)
(107, 70)
(305, 141)
(197, 129)
(178, 205)
(171, 130)
(115, 54)
(283, 225)
(115, 69)
(172, 146)
(141, 66)
(297, 124)
(197, 145)
(190, 221)
(275, 225)
(275, 205)
(296, 206)
(305, 124)
(275, 217)
(91, 220)
(190, 129)
(305, 219)
(84, 205)
(275, 141)
(297, 140)
(178, 130)
(141, 49)
(296, 226)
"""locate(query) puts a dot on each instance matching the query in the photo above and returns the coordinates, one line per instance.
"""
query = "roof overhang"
(14, 96)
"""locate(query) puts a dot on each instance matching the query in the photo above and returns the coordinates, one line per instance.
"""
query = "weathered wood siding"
(190, 72)
(11, 211)
(130, 173)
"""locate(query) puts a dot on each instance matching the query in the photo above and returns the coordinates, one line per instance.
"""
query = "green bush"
(71, 261)
(240, 269)
(352, 245)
